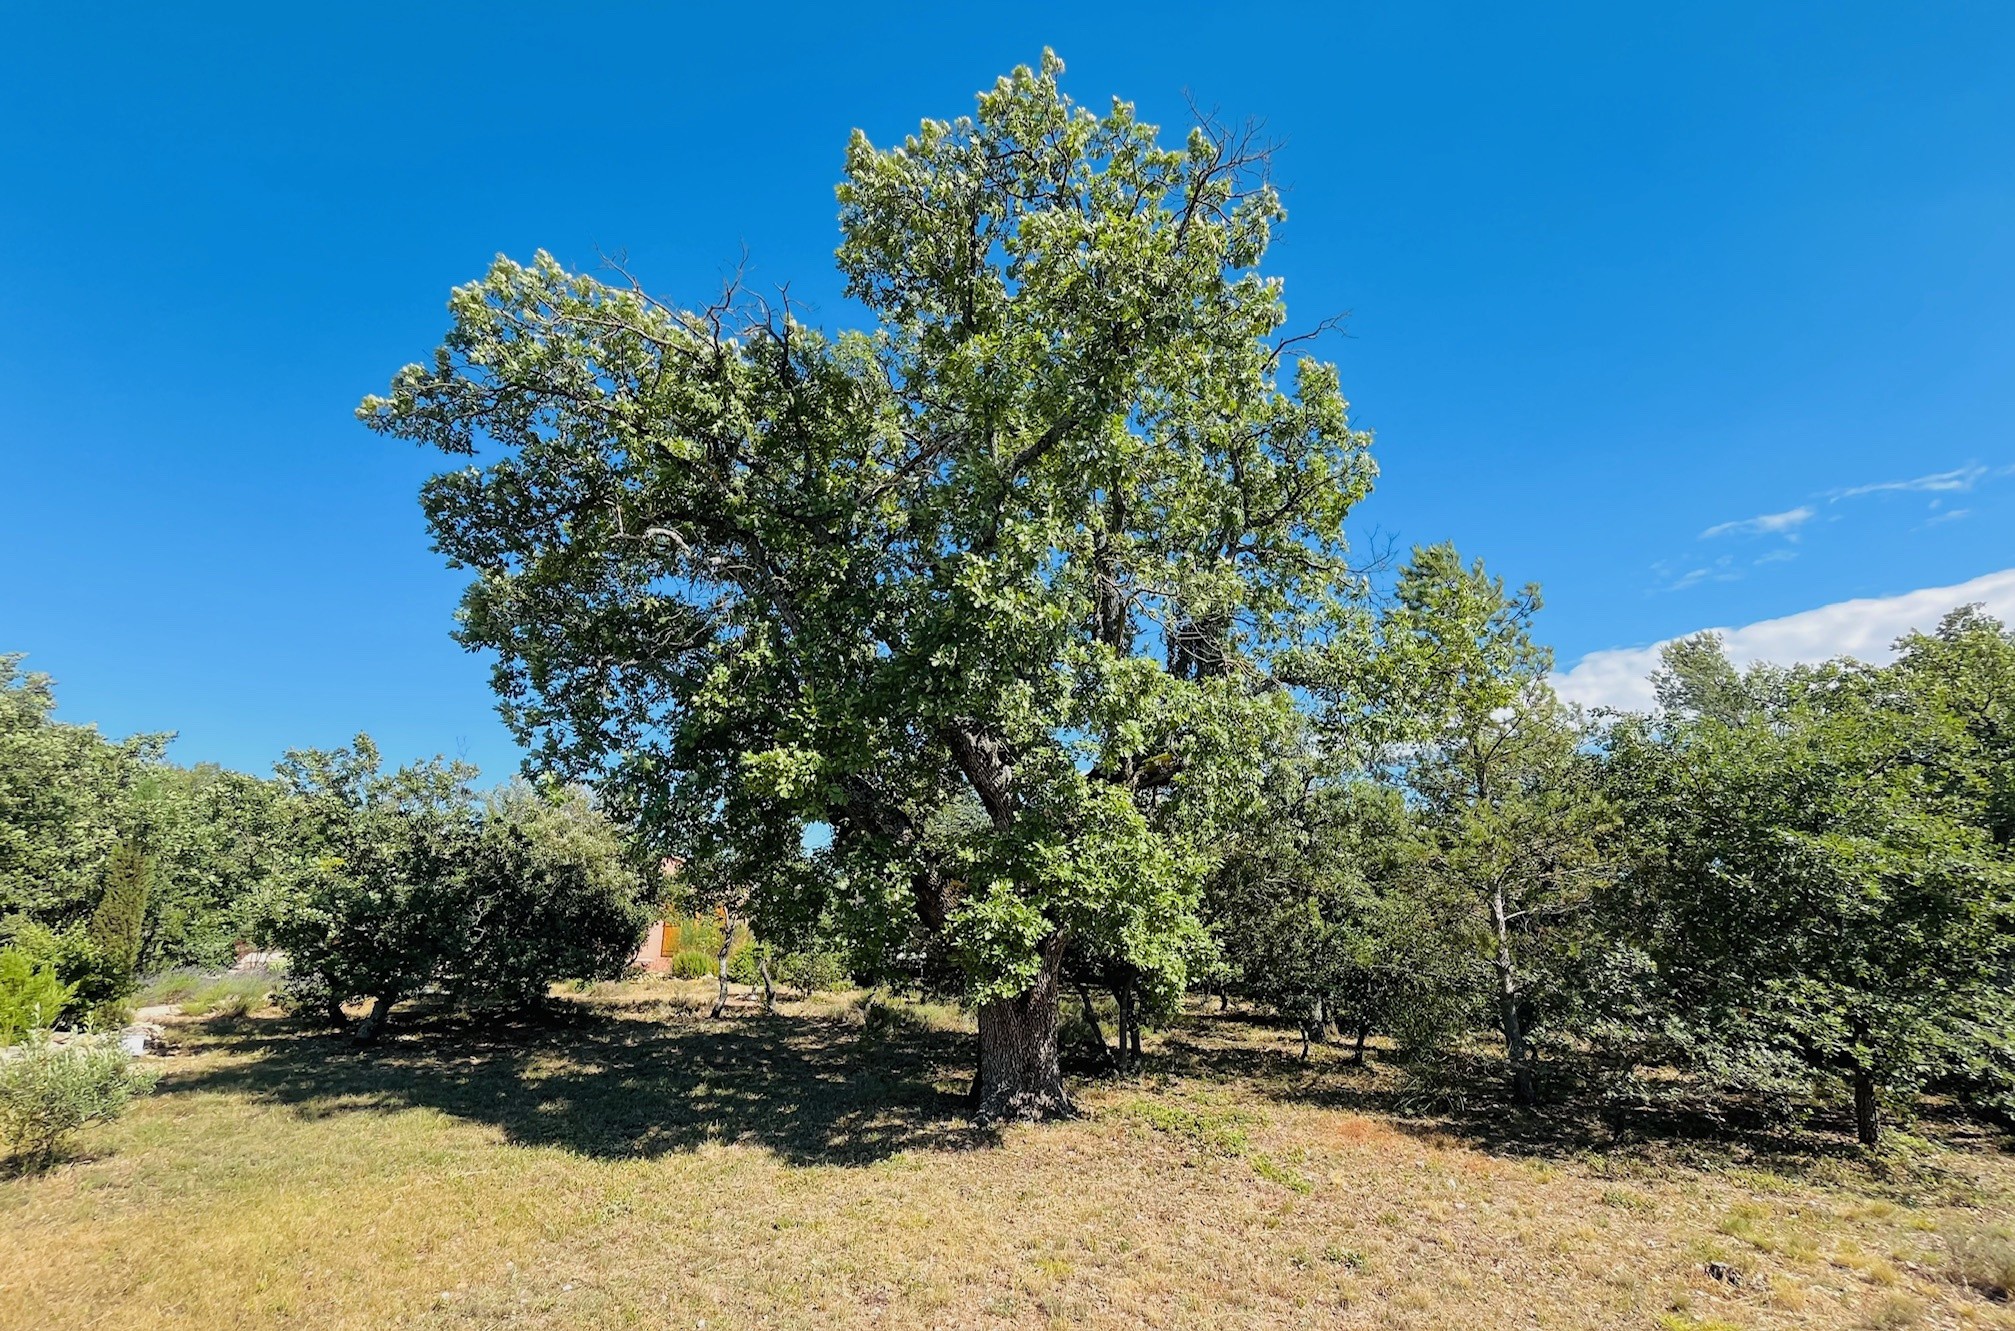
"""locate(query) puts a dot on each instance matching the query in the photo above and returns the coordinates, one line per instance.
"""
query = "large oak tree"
(1030, 540)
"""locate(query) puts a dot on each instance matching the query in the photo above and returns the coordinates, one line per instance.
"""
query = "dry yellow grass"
(644, 1166)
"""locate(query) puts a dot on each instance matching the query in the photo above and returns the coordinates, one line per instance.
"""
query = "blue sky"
(1646, 303)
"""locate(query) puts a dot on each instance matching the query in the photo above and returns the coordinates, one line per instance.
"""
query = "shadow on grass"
(1467, 1099)
(622, 1080)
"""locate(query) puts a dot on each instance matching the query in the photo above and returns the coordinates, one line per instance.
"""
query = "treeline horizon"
(1777, 881)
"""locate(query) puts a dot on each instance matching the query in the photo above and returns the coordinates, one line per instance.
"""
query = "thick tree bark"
(1363, 1033)
(1867, 1109)
(1020, 1080)
(1507, 1006)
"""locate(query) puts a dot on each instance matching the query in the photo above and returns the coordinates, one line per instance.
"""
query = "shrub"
(93, 979)
(692, 964)
(49, 1091)
(808, 971)
(31, 995)
(172, 986)
(229, 996)
(234, 1004)
(802, 971)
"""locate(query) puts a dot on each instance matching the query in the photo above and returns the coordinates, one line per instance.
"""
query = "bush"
(802, 971)
(172, 987)
(235, 1004)
(229, 996)
(49, 1091)
(94, 980)
(809, 971)
(745, 963)
(692, 964)
(31, 995)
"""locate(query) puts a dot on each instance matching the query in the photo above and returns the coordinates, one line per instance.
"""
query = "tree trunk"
(335, 1015)
(1019, 1078)
(721, 967)
(1867, 1109)
(769, 988)
(373, 1025)
(1127, 1018)
(1314, 1026)
(1507, 1006)
(1363, 1033)
(1105, 1055)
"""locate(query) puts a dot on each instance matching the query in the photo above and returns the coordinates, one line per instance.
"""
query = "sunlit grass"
(638, 1164)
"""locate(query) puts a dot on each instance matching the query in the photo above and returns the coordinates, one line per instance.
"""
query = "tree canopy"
(1035, 537)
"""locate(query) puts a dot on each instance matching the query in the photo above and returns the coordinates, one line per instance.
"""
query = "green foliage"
(70, 801)
(32, 997)
(50, 1091)
(691, 964)
(1034, 539)
(116, 925)
(546, 892)
(97, 983)
(64, 801)
(1816, 877)
(219, 840)
(1446, 699)
(805, 972)
(413, 885)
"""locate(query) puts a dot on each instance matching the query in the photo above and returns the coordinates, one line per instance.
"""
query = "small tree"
(367, 914)
(546, 891)
(1452, 704)
(65, 802)
(120, 920)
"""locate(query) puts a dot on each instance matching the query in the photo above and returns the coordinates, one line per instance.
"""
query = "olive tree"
(1031, 537)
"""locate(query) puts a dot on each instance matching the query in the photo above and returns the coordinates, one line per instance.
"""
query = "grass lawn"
(640, 1165)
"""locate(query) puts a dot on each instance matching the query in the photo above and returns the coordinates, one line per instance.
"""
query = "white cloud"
(1958, 479)
(1762, 525)
(1621, 676)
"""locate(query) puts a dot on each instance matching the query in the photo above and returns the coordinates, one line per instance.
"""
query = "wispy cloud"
(1949, 515)
(1765, 524)
(1723, 569)
(1867, 628)
(1938, 482)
